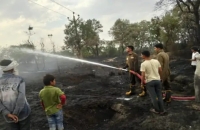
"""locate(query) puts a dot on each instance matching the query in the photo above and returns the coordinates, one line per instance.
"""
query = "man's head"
(194, 49)
(158, 47)
(49, 80)
(8, 65)
(129, 49)
(145, 54)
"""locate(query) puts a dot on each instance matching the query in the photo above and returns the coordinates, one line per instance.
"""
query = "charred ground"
(93, 104)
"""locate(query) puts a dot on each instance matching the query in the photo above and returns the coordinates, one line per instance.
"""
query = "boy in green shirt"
(52, 99)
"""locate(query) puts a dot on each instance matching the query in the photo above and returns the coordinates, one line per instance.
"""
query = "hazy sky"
(17, 15)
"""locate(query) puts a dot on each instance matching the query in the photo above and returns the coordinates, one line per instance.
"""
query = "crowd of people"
(155, 75)
(154, 79)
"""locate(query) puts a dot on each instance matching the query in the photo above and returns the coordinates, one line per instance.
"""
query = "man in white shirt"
(193, 60)
(151, 74)
(197, 79)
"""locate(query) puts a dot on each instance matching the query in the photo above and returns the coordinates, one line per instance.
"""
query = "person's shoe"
(129, 93)
(142, 94)
(167, 97)
(163, 113)
(154, 111)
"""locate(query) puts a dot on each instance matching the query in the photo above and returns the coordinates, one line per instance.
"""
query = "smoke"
(36, 63)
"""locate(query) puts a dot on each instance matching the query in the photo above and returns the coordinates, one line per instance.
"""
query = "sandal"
(162, 113)
(154, 111)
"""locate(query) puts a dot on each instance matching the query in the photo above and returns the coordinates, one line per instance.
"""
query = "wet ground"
(96, 100)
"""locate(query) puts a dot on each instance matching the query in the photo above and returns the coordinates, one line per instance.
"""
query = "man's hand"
(59, 106)
(120, 68)
(13, 117)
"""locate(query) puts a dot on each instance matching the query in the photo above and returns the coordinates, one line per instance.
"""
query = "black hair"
(146, 53)
(131, 47)
(47, 79)
(5, 62)
(159, 45)
(195, 48)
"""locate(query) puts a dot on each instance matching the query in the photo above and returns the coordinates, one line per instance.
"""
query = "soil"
(96, 100)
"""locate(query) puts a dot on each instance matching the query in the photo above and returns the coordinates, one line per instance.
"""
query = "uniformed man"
(163, 58)
(131, 64)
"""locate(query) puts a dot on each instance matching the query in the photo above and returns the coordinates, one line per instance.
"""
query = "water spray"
(69, 58)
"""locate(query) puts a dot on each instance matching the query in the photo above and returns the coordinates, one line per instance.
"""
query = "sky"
(17, 15)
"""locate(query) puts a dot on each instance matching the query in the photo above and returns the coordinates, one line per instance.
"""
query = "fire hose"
(177, 98)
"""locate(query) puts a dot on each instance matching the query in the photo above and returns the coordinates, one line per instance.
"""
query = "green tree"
(109, 49)
(90, 36)
(187, 7)
(170, 30)
(87, 36)
(120, 32)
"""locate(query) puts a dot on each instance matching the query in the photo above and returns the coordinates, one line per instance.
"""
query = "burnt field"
(96, 100)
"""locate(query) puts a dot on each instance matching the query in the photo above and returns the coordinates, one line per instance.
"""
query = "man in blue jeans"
(151, 74)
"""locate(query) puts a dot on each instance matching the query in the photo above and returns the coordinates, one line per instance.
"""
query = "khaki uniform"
(163, 58)
(132, 64)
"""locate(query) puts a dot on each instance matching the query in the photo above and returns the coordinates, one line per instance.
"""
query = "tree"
(120, 33)
(170, 25)
(110, 49)
(90, 35)
(190, 7)
(82, 34)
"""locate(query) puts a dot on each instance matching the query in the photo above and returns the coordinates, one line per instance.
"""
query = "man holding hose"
(132, 65)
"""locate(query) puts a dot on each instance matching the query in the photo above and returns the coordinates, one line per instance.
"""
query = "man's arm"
(126, 65)
(62, 96)
(42, 103)
(193, 59)
(142, 69)
(142, 77)
(7, 113)
(20, 98)
(3, 110)
(63, 99)
(160, 59)
(160, 72)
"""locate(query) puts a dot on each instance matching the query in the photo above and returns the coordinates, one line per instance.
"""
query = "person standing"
(131, 64)
(163, 58)
(197, 79)
(152, 75)
(52, 100)
(193, 60)
(13, 104)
